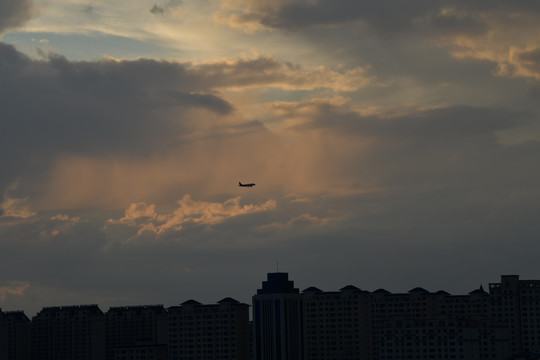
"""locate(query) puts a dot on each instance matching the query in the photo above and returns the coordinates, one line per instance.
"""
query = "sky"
(393, 145)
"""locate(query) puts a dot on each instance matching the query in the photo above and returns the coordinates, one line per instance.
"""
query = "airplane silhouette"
(246, 185)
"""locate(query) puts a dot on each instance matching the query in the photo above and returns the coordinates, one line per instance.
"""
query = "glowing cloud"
(146, 219)
(13, 288)
(15, 207)
(266, 70)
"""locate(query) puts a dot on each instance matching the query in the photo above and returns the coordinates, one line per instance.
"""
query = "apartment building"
(134, 330)
(68, 333)
(337, 325)
(17, 336)
(517, 303)
(209, 332)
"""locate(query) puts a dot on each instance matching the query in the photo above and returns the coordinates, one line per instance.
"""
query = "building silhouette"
(337, 325)
(277, 320)
(379, 325)
(17, 337)
(351, 323)
(426, 325)
(517, 303)
(209, 332)
(135, 332)
(68, 333)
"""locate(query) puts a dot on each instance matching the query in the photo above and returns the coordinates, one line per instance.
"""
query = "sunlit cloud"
(15, 207)
(15, 288)
(510, 40)
(267, 71)
(145, 218)
(60, 223)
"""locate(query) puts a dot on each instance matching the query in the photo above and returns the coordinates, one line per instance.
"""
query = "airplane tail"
(239, 183)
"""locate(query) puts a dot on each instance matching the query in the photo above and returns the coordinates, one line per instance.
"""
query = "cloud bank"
(390, 139)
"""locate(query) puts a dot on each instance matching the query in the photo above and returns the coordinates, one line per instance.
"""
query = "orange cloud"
(13, 288)
(265, 70)
(15, 207)
(146, 219)
(511, 41)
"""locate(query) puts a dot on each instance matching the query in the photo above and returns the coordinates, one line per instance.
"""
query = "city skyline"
(392, 146)
(288, 323)
(188, 298)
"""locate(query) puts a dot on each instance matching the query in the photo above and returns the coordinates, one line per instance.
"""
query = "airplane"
(246, 185)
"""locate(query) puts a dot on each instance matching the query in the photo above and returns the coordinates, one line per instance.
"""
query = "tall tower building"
(277, 319)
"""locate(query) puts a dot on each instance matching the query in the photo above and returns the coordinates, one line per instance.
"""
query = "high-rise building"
(424, 325)
(209, 332)
(337, 325)
(69, 332)
(517, 303)
(135, 330)
(18, 336)
(277, 320)
(3, 335)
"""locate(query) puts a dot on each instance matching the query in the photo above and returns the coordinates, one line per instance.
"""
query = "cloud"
(263, 71)
(92, 123)
(377, 154)
(384, 15)
(16, 288)
(304, 221)
(88, 9)
(145, 218)
(163, 9)
(510, 42)
(113, 107)
(14, 13)
(505, 33)
(61, 223)
(12, 207)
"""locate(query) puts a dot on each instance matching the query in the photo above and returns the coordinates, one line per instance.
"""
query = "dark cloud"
(387, 15)
(157, 10)
(163, 9)
(413, 196)
(88, 9)
(14, 13)
(56, 106)
(384, 17)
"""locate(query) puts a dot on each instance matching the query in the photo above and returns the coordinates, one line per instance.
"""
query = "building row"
(289, 324)
(84, 332)
(352, 324)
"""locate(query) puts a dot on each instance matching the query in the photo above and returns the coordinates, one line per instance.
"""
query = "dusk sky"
(393, 144)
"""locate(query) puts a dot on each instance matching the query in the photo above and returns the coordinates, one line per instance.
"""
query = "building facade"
(337, 325)
(143, 328)
(278, 320)
(17, 336)
(517, 303)
(68, 333)
(209, 332)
